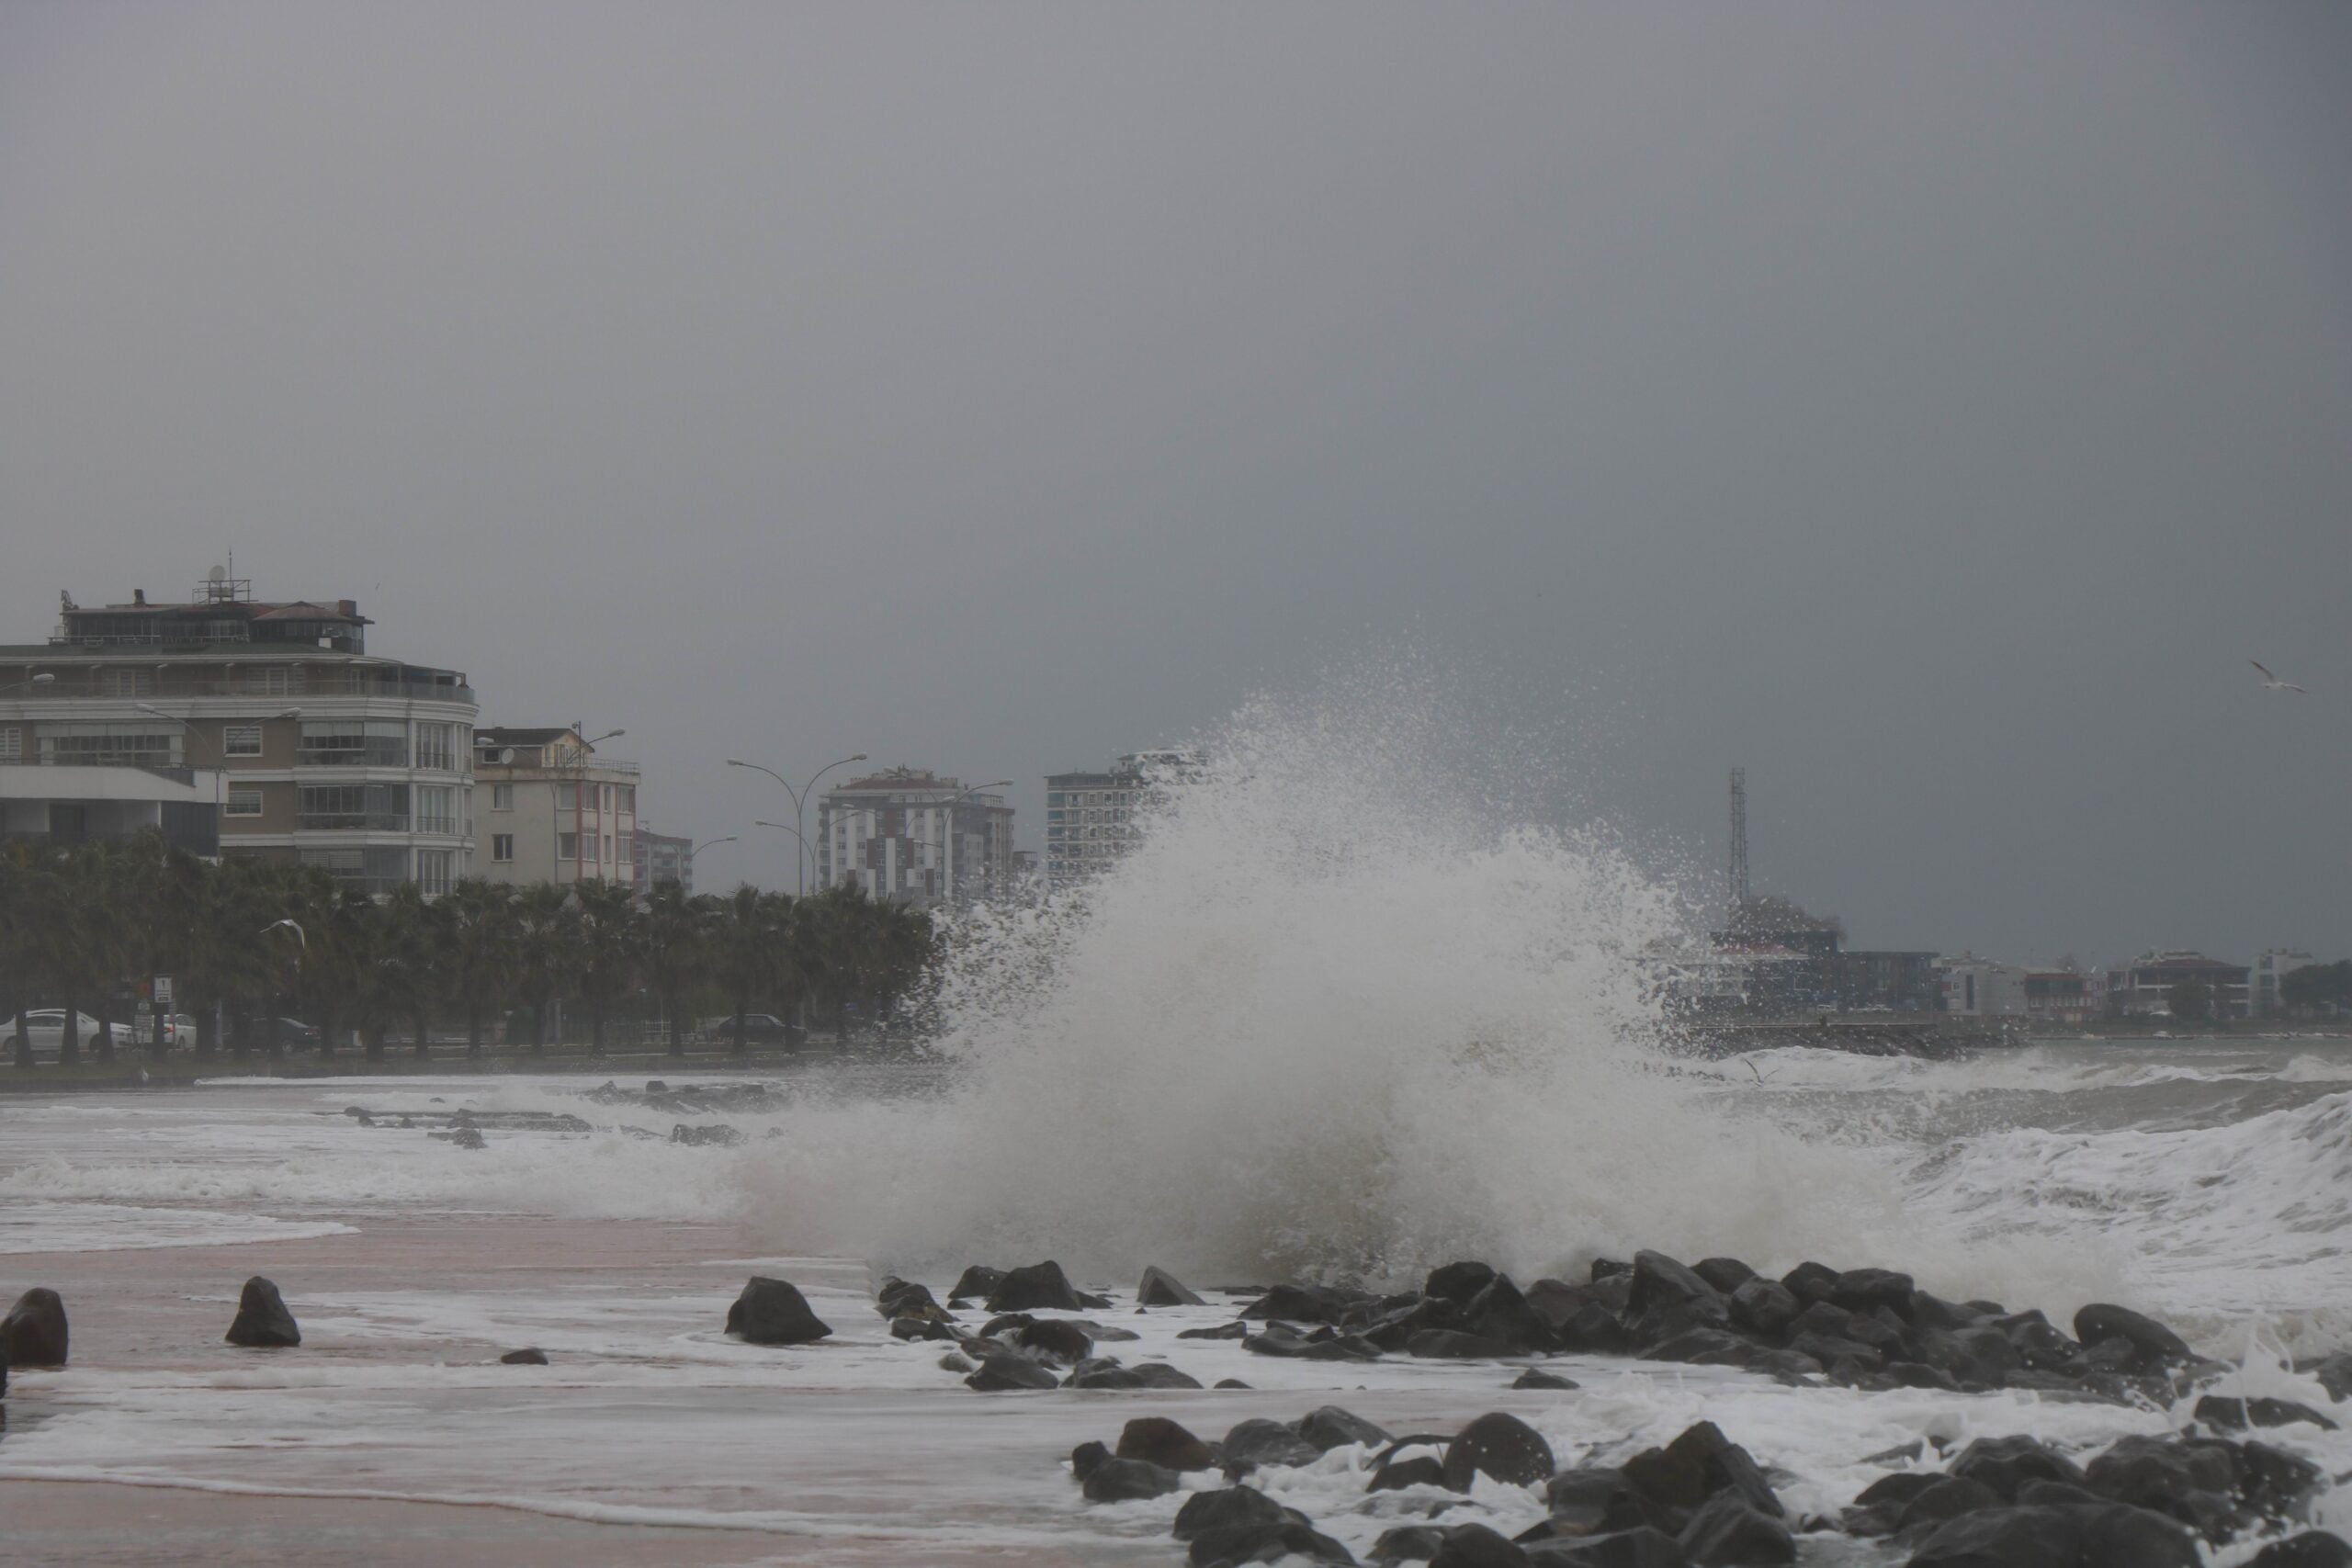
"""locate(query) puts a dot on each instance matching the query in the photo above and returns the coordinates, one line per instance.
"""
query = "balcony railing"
(434, 824)
(373, 821)
(74, 686)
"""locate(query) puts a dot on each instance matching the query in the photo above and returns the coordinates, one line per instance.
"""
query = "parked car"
(45, 1027)
(294, 1032)
(759, 1029)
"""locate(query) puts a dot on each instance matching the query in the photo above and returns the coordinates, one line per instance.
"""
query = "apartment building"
(2142, 988)
(326, 754)
(664, 857)
(549, 809)
(1091, 819)
(912, 837)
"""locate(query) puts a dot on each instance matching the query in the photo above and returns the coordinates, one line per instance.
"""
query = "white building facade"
(548, 808)
(1093, 820)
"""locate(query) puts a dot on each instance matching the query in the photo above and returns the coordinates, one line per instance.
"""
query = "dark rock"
(773, 1312)
(1101, 1333)
(1222, 1331)
(33, 1333)
(1725, 1274)
(1421, 1470)
(1265, 1543)
(1475, 1545)
(920, 1328)
(1984, 1355)
(2039, 1346)
(1257, 1441)
(1609, 1269)
(471, 1138)
(2042, 1494)
(1612, 1291)
(1696, 1466)
(1447, 1343)
(1457, 1281)
(1055, 1340)
(1639, 1548)
(2005, 1537)
(1230, 1383)
(2333, 1373)
(1917, 1374)
(1860, 1290)
(1667, 1298)
(1085, 1459)
(976, 1283)
(1228, 1507)
(1536, 1378)
(1165, 1443)
(1408, 1544)
(904, 1298)
(1161, 1289)
(1031, 1287)
(1594, 1329)
(2158, 1345)
(1897, 1489)
(1705, 1347)
(1788, 1366)
(1811, 1282)
(1124, 1480)
(2312, 1549)
(1727, 1533)
(1301, 1304)
(955, 1361)
(1500, 1312)
(1597, 1501)
(2236, 1415)
(1765, 1307)
(1557, 1300)
(2272, 1481)
(1934, 1312)
(2006, 1463)
(1324, 1345)
(1829, 1351)
(1329, 1427)
(715, 1132)
(533, 1357)
(1151, 1374)
(2192, 1483)
(1502, 1445)
(1100, 1371)
(262, 1320)
(1946, 1497)
(1010, 1369)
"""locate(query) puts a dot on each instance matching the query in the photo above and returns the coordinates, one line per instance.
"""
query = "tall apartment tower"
(912, 837)
(1093, 820)
(324, 752)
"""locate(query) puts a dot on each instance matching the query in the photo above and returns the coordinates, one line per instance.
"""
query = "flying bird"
(291, 926)
(2271, 682)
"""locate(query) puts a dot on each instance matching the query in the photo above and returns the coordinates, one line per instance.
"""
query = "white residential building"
(548, 808)
(1091, 819)
(2269, 969)
(1979, 987)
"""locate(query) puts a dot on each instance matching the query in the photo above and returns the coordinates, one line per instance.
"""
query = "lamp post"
(697, 848)
(799, 802)
(578, 768)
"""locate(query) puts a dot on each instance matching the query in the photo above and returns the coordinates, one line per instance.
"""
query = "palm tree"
(483, 935)
(542, 961)
(675, 939)
(608, 939)
(751, 952)
(410, 958)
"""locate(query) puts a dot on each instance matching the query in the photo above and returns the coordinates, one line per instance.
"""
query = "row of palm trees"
(249, 941)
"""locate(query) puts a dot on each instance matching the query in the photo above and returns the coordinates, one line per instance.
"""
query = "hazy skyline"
(1931, 409)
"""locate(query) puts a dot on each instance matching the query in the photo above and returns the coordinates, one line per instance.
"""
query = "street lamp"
(799, 801)
(697, 848)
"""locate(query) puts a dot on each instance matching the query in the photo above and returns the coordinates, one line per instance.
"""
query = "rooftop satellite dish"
(217, 574)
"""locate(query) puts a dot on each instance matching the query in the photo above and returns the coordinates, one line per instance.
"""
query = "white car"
(46, 1028)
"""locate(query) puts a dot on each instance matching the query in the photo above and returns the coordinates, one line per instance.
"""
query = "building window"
(608, 849)
(353, 743)
(382, 807)
(240, 740)
(107, 745)
(502, 798)
(567, 796)
(271, 680)
(434, 813)
(433, 871)
(588, 847)
(126, 683)
(242, 803)
(12, 745)
(566, 846)
(627, 847)
(432, 747)
(628, 798)
(502, 846)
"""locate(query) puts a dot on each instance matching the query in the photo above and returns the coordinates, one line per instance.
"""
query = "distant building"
(2065, 996)
(1979, 988)
(1093, 820)
(912, 837)
(1876, 980)
(332, 756)
(72, 804)
(2143, 988)
(549, 809)
(2269, 969)
(661, 857)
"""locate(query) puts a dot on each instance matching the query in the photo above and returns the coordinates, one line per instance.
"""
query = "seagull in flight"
(291, 926)
(2271, 682)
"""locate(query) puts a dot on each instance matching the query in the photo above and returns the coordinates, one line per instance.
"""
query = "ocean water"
(1338, 1018)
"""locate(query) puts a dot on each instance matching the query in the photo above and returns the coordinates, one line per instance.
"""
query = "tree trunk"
(742, 1023)
(473, 1029)
(24, 1041)
(68, 1037)
(596, 1028)
(371, 1040)
(538, 1024)
(103, 1039)
(423, 1030)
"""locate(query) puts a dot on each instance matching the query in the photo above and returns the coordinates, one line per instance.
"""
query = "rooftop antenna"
(1738, 870)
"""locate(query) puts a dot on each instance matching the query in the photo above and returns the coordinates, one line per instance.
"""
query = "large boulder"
(774, 1311)
(1329, 1427)
(1765, 1307)
(976, 1283)
(1124, 1480)
(1678, 1479)
(1161, 1289)
(1457, 1281)
(2006, 1463)
(262, 1321)
(1258, 1441)
(1667, 1297)
(1727, 1533)
(2157, 1345)
(1266, 1542)
(2193, 1482)
(2312, 1549)
(1642, 1547)
(2061, 1536)
(1033, 1286)
(2233, 1414)
(1009, 1369)
(1229, 1507)
(33, 1334)
(1165, 1443)
(1499, 1445)
(1476, 1546)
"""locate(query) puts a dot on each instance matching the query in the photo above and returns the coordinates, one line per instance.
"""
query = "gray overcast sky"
(1931, 407)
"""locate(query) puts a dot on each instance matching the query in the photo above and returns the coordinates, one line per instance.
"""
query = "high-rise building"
(1091, 819)
(326, 754)
(549, 809)
(664, 857)
(912, 837)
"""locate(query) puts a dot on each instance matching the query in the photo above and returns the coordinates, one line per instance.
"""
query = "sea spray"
(1332, 1017)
